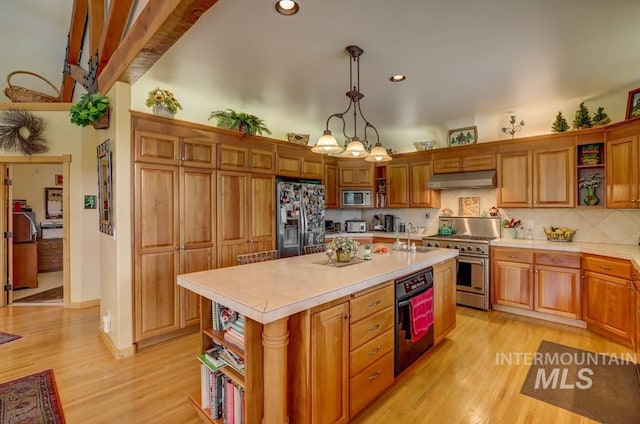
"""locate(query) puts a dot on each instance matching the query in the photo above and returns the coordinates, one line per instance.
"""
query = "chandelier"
(327, 143)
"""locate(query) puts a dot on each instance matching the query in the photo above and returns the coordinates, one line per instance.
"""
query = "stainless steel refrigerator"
(300, 216)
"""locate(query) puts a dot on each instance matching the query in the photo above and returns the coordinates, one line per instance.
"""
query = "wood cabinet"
(537, 280)
(464, 159)
(245, 215)
(255, 156)
(173, 224)
(622, 172)
(49, 255)
(419, 195)
(397, 185)
(637, 316)
(608, 301)
(444, 296)
(542, 176)
(355, 173)
(25, 265)
(330, 181)
(298, 162)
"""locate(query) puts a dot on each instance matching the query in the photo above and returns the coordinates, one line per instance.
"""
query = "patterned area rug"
(605, 388)
(31, 399)
(6, 338)
(47, 295)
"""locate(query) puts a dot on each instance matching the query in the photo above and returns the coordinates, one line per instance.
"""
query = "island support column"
(275, 338)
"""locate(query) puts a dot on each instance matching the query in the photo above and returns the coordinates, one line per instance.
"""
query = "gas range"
(475, 245)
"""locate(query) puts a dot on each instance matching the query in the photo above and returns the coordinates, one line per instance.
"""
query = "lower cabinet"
(512, 282)
(608, 302)
(444, 294)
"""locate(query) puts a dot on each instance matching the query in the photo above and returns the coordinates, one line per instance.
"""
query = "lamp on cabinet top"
(327, 144)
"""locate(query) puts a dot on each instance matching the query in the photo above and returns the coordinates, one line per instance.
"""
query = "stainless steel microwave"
(355, 198)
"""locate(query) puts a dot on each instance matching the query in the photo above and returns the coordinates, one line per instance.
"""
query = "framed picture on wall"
(105, 194)
(53, 203)
(462, 136)
(633, 104)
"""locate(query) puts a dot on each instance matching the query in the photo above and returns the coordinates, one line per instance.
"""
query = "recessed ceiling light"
(287, 7)
(397, 78)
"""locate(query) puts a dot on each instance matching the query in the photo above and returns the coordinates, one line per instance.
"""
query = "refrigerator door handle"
(304, 223)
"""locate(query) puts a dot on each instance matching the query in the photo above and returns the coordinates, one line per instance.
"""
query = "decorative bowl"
(559, 233)
(424, 145)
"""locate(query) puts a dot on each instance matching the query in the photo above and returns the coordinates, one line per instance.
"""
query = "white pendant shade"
(355, 149)
(327, 144)
(378, 154)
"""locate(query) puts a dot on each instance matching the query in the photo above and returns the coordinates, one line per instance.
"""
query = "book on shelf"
(231, 335)
(214, 363)
(229, 410)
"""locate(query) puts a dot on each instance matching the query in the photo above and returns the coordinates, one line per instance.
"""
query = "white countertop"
(403, 236)
(621, 251)
(268, 291)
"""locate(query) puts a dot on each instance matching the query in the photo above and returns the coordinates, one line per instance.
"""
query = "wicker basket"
(24, 95)
(554, 235)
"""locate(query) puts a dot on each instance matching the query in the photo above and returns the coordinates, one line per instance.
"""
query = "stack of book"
(235, 332)
(222, 396)
(589, 154)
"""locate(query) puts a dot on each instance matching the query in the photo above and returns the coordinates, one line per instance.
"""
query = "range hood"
(475, 179)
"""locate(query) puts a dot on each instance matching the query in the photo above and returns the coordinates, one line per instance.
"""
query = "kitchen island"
(268, 293)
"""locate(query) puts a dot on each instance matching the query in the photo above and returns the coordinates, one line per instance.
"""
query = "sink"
(425, 249)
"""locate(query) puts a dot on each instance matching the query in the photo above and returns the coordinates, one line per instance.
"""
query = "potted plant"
(163, 102)
(345, 248)
(92, 108)
(239, 121)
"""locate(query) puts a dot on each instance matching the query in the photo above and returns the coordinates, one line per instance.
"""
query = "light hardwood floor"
(458, 382)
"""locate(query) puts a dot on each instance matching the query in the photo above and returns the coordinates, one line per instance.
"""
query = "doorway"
(35, 258)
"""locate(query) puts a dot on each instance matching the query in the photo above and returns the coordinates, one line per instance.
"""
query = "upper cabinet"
(246, 156)
(464, 159)
(420, 196)
(621, 158)
(397, 185)
(355, 173)
(540, 173)
(298, 162)
(330, 181)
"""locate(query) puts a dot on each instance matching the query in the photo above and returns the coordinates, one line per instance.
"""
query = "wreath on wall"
(22, 131)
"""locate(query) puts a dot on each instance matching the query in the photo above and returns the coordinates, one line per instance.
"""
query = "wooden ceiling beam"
(79, 18)
(160, 24)
(118, 16)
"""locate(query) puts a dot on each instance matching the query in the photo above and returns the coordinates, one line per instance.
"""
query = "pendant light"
(327, 144)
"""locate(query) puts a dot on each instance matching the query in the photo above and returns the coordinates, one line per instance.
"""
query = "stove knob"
(436, 244)
(457, 247)
(479, 249)
(428, 244)
(448, 246)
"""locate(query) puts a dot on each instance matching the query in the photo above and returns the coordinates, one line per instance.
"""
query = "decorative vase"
(161, 110)
(510, 233)
(343, 255)
(591, 199)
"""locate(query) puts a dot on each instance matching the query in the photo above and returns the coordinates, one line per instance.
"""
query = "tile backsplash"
(596, 225)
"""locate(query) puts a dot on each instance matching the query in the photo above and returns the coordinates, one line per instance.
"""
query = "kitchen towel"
(421, 310)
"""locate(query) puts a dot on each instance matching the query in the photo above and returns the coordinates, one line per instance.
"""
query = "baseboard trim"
(540, 315)
(117, 353)
(84, 304)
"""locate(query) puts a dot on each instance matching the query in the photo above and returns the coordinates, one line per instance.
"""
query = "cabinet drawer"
(371, 302)
(609, 266)
(512, 255)
(558, 259)
(49, 263)
(371, 351)
(370, 383)
(370, 327)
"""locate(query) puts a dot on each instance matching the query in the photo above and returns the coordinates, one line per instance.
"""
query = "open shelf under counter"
(204, 414)
(218, 337)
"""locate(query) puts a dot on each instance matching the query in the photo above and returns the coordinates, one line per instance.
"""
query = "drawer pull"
(375, 303)
(375, 326)
(377, 349)
(607, 268)
(375, 375)
(513, 256)
(556, 260)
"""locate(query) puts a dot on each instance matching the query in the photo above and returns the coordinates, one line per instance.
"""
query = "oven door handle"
(467, 261)
(406, 302)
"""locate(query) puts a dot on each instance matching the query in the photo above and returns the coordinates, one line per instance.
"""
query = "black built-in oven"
(407, 287)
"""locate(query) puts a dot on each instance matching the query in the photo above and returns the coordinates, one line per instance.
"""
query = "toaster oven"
(356, 226)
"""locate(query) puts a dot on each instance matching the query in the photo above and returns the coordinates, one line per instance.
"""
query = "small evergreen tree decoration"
(582, 118)
(601, 117)
(513, 129)
(560, 124)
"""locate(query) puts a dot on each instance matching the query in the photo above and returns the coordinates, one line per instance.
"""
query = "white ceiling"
(463, 59)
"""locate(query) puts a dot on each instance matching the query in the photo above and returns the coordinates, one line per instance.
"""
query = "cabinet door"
(156, 148)
(479, 162)
(156, 250)
(444, 295)
(419, 195)
(558, 291)
(289, 162)
(512, 284)
(554, 177)
(232, 157)
(398, 186)
(262, 213)
(330, 365)
(262, 158)
(351, 174)
(622, 173)
(197, 236)
(447, 165)
(198, 153)
(608, 304)
(514, 179)
(233, 212)
(312, 166)
(330, 182)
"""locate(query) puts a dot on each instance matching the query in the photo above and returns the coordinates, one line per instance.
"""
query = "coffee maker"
(389, 223)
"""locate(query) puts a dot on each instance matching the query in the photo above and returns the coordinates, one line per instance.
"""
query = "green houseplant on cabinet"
(239, 121)
(92, 108)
